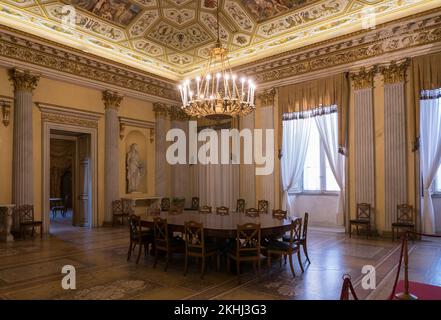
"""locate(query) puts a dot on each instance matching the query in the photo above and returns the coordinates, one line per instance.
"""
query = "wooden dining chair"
(405, 220)
(240, 206)
(252, 212)
(364, 211)
(127, 209)
(165, 204)
(117, 212)
(279, 214)
(205, 210)
(195, 203)
(262, 206)
(25, 214)
(283, 248)
(247, 247)
(165, 242)
(58, 206)
(138, 237)
(197, 246)
(222, 211)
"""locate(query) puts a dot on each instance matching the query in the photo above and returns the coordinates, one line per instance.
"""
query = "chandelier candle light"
(218, 94)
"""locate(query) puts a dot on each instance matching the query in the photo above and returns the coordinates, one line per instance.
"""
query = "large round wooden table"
(220, 226)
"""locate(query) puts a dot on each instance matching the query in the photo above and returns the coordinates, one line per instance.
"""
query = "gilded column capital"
(364, 79)
(177, 114)
(395, 73)
(112, 100)
(267, 97)
(23, 79)
(161, 109)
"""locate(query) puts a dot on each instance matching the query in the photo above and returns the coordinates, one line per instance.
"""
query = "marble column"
(364, 137)
(23, 156)
(395, 173)
(180, 173)
(112, 101)
(265, 116)
(247, 180)
(162, 168)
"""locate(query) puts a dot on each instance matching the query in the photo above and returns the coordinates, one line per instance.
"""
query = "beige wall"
(68, 95)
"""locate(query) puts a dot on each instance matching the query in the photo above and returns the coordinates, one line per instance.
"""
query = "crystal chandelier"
(218, 94)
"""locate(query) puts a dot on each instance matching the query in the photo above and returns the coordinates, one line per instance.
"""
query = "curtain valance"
(309, 95)
(426, 73)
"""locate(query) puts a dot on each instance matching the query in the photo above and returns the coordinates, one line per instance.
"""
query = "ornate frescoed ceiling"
(172, 38)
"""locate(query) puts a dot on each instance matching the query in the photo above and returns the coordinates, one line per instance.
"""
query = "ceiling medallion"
(218, 94)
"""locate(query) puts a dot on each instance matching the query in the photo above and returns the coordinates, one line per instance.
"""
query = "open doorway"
(70, 181)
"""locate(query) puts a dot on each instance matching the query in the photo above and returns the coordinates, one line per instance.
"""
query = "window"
(317, 174)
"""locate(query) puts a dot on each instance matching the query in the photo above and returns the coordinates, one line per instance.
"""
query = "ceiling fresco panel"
(173, 38)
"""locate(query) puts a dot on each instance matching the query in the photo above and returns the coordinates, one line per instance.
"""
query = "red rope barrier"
(405, 239)
(347, 286)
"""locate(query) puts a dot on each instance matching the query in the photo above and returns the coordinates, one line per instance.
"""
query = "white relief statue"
(135, 169)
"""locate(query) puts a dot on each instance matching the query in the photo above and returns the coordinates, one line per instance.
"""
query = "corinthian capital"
(111, 99)
(395, 72)
(23, 80)
(364, 79)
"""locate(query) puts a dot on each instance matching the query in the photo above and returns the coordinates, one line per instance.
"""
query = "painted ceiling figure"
(135, 169)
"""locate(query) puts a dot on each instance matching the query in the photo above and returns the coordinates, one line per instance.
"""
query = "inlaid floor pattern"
(31, 269)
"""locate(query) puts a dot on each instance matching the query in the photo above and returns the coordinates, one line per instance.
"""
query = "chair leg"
(203, 267)
(33, 231)
(357, 229)
(258, 268)
(300, 260)
(291, 265)
(156, 258)
(269, 260)
(238, 269)
(129, 254)
(139, 253)
(393, 234)
(350, 230)
(228, 264)
(305, 251)
(186, 265)
(41, 231)
(368, 231)
(167, 259)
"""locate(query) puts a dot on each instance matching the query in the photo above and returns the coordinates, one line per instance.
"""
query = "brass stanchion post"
(406, 295)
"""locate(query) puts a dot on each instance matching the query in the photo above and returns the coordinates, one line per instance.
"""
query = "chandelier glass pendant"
(219, 94)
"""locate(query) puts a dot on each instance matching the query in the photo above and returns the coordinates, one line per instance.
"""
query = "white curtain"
(430, 127)
(216, 184)
(327, 125)
(294, 148)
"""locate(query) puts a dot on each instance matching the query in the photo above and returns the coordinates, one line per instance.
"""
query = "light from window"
(311, 173)
(317, 174)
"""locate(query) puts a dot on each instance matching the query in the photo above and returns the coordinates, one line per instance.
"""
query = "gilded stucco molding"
(347, 49)
(161, 109)
(267, 97)
(62, 60)
(63, 119)
(112, 100)
(364, 79)
(395, 72)
(23, 79)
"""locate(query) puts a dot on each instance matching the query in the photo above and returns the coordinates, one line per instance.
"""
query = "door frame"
(46, 134)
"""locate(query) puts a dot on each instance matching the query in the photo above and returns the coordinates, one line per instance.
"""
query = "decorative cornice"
(364, 79)
(59, 114)
(267, 97)
(23, 80)
(386, 39)
(112, 100)
(395, 73)
(63, 60)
